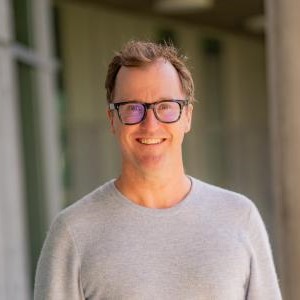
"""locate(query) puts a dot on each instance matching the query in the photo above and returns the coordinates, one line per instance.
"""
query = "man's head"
(139, 53)
(149, 92)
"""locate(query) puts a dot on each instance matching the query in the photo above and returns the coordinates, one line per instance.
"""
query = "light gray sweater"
(212, 245)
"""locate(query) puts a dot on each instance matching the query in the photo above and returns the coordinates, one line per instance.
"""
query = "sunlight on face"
(151, 144)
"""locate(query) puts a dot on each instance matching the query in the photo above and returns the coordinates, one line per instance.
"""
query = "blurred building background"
(55, 144)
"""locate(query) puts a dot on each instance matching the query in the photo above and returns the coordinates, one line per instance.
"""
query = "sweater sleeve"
(58, 269)
(263, 282)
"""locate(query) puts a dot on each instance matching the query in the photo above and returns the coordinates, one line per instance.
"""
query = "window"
(38, 106)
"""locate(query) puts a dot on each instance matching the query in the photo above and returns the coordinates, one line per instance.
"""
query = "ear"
(110, 116)
(189, 114)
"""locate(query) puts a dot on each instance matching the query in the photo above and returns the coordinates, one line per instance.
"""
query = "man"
(154, 232)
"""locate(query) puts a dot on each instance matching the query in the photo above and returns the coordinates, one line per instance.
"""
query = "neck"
(156, 189)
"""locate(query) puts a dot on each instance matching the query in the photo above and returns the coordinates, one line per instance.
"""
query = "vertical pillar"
(283, 46)
(48, 106)
(13, 246)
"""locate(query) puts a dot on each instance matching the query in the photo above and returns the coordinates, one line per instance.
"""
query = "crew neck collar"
(125, 202)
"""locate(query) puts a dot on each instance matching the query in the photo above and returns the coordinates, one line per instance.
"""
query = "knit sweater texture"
(212, 245)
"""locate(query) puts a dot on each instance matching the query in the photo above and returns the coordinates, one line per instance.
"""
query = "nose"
(150, 121)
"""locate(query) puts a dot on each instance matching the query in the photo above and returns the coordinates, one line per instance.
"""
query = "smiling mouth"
(150, 141)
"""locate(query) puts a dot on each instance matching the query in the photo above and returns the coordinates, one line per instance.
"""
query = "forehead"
(157, 79)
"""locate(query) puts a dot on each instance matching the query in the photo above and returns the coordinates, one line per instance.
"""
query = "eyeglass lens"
(132, 113)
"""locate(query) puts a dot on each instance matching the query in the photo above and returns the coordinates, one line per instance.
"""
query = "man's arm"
(263, 282)
(58, 270)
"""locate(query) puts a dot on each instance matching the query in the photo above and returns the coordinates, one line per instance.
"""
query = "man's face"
(151, 144)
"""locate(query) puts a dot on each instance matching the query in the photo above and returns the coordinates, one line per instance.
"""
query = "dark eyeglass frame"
(116, 106)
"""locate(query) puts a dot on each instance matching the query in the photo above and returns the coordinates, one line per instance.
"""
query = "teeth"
(150, 141)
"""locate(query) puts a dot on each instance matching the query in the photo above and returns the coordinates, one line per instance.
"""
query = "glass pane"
(63, 106)
(214, 111)
(167, 36)
(33, 166)
(22, 21)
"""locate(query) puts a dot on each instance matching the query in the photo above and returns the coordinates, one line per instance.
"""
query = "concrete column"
(283, 46)
(13, 247)
(48, 106)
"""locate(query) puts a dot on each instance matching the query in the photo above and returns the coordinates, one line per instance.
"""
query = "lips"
(150, 141)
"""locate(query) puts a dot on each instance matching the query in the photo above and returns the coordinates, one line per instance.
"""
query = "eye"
(165, 106)
(133, 107)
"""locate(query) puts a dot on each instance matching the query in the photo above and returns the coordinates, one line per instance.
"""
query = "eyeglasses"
(134, 112)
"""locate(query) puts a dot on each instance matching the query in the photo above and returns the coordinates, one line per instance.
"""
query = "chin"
(151, 162)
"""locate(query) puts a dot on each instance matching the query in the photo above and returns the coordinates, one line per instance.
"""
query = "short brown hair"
(138, 53)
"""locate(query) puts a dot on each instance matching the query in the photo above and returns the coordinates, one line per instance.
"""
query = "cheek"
(123, 135)
(179, 133)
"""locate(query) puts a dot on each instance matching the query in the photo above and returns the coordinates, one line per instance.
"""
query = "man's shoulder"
(89, 207)
(224, 207)
(220, 198)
